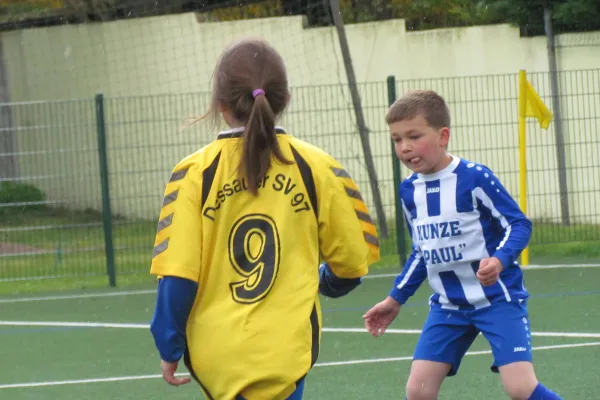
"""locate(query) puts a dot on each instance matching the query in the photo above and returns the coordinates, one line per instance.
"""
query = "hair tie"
(256, 92)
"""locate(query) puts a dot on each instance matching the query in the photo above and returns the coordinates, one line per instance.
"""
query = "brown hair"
(427, 103)
(244, 67)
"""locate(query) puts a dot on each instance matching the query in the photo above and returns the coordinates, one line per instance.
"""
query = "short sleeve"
(348, 236)
(178, 241)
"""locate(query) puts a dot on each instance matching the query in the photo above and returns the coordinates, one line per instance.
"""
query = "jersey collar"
(448, 170)
(238, 132)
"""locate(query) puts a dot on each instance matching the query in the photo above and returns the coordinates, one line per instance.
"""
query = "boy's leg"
(425, 379)
(506, 327)
(446, 337)
(519, 377)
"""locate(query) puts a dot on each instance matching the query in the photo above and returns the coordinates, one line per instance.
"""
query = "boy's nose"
(405, 149)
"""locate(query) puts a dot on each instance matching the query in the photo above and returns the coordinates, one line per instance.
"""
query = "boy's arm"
(347, 235)
(412, 276)
(517, 227)
(414, 271)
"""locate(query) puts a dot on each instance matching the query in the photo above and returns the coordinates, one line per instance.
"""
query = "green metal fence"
(81, 181)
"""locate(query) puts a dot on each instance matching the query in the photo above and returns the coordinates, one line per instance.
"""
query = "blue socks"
(542, 393)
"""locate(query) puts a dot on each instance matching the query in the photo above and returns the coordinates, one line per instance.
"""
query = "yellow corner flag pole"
(530, 105)
(523, 154)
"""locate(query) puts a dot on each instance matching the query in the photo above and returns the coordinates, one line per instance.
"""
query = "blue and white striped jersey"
(456, 217)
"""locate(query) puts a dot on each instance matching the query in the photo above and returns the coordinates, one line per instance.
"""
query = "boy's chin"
(417, 169)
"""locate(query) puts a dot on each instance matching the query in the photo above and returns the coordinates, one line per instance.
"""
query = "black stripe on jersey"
(170, 198)
(371, 239)
(237, 134)
(165, 222)
(307, 178)
(355, 194)
(341, 173)
(314, 323)
(161, 247)
(179, 175)
(363, 216)
(208, 177)
(187, 360)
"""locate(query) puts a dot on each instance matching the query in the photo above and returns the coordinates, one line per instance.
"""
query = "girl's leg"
(297, 395)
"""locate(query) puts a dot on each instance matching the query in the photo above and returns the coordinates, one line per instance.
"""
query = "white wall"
(172, 59)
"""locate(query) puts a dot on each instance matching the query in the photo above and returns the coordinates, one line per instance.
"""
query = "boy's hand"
(168, 373)
(489, 270)
(378, 318)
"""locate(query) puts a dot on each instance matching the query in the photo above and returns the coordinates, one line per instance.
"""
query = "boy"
(467, 234)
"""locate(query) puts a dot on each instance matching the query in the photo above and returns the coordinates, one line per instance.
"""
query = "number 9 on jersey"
(254, 254)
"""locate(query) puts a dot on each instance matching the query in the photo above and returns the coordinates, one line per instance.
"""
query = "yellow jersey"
(255, 326)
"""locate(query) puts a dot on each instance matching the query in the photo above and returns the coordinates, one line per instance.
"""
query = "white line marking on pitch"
(80, 381)
(556, 266)
(417, 331)
(75, 324)
(139, 292)
(470, 353)
(118, 325)
(324, 364)
(525, 268)
(77, 296)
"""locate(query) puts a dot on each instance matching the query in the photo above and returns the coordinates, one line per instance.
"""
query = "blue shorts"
(297, 395)
(448, 334)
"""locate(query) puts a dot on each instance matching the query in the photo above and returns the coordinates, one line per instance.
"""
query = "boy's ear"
(445, 136)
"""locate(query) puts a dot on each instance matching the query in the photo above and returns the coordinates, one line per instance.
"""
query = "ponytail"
(260, 141)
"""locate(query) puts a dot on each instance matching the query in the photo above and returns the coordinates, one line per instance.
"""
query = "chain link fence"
(81, 181)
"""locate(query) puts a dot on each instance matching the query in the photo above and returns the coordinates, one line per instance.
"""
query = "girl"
(243, 225)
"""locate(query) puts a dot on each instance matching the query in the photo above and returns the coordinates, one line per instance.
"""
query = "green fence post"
(106, 211)
(400, 237)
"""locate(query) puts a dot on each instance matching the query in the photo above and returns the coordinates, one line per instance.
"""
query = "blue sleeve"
(414, 271)
(517, 227)
(412, 276)
(173, 305)
(332, 286)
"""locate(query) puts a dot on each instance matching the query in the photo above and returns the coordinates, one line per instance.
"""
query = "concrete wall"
(155, 72)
